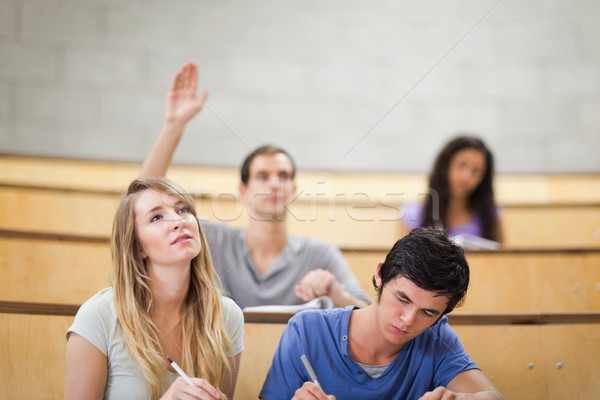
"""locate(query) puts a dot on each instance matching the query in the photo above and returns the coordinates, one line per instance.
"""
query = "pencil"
(180, 372)
(310, 370)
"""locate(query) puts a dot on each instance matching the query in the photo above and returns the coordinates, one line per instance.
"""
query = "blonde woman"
(163, 303)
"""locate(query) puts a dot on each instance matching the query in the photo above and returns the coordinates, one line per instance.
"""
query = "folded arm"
(468, 385)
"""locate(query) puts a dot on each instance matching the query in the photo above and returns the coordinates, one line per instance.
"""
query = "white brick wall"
(87, 79)
(25, 62)
(8, 17)
(54, 103)
(5, 102)
(54, 22)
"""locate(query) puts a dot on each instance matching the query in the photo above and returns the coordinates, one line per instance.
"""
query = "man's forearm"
(158, 160)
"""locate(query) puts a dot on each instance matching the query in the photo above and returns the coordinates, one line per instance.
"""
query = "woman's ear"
(143, 254)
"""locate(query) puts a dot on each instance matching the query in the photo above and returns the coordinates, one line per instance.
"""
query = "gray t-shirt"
(96, 321)
(247, 287)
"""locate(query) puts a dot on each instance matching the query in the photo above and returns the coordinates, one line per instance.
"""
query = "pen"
(311, 372)
(180, 372)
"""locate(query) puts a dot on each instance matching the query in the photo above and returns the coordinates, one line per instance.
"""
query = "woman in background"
(163, 303)
(462, 195)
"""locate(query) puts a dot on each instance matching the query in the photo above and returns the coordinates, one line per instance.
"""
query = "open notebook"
(317, 303)
(473, 242)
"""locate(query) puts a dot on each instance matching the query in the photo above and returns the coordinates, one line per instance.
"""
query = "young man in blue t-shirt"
(400, 347)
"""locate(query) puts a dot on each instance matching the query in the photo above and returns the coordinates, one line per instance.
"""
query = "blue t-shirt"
(430, 360)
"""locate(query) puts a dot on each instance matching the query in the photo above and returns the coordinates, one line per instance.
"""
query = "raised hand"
(183, 103)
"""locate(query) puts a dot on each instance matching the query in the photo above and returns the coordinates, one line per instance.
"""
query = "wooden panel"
(515, 281)
(85, 213)
(260, 342)
(367, 225)
(510, 188)
(357, 223)
(527, 282)
(592, 284)
(551, 226)
(70, 272)
(71, 212)
(30, 344)
(34, 346)
(503, 353)
(572, 361)
(57, 211)
(52, 271)
(33, 356)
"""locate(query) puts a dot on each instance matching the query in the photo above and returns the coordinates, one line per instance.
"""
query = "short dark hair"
(266, 149)
(432, 261)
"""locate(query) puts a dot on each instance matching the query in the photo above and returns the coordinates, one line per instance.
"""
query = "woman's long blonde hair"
(205, 342)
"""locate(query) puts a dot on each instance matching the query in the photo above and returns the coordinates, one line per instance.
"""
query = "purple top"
(412, 215)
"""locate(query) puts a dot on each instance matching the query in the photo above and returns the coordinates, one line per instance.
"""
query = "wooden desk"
(519, 352)
(549, 280)
(64, 268)
(346, 222)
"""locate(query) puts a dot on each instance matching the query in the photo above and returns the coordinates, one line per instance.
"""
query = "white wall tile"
(6, 100)
(573, 78)
(8, 17)
(27, 61)
(101, 67)
(65, 21)
(343, 84)
(55, 103)
(590, 118)
(30, 137)
(133, 108)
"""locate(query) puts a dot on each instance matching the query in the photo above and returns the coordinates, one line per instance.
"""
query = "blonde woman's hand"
(181, 390)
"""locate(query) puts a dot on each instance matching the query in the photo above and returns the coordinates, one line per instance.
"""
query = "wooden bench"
(546, 280)
(60, 268)
(361, 225)
(33, 344)
(52, 268)
(348, 209)
(525, 355)
(389, 188)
